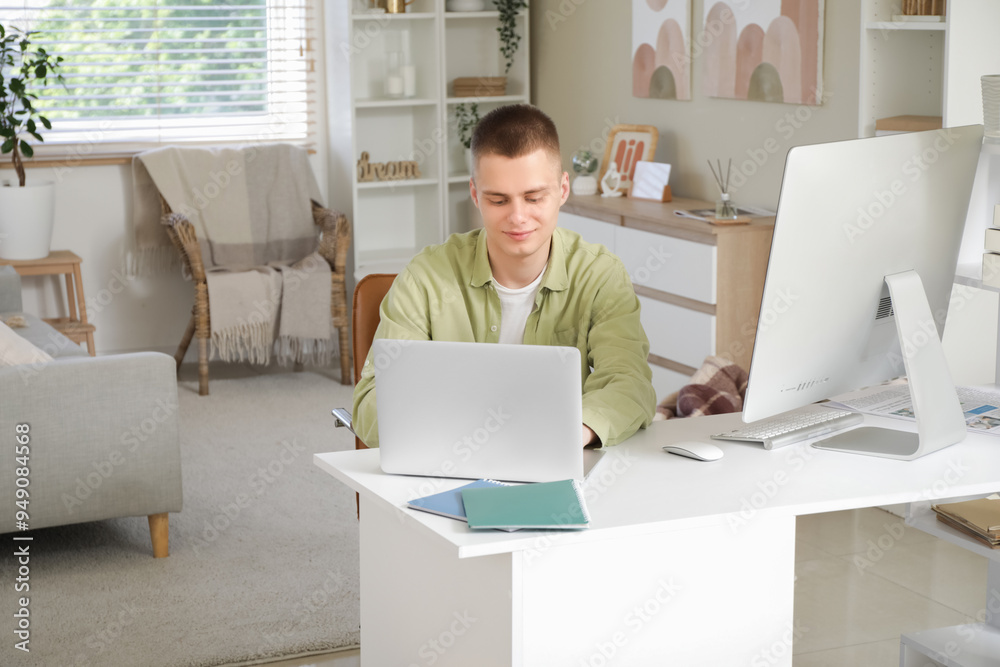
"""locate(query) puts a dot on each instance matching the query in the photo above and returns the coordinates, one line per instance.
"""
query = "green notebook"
(548, 505)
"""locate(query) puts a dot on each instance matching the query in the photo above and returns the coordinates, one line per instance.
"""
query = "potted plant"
(26, 213)
(509, 37)
(466, 119)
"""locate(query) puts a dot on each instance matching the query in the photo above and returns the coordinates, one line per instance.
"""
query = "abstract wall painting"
(764, 50)
(661, 49)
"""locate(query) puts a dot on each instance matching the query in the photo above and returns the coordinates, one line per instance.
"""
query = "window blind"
(141, 73)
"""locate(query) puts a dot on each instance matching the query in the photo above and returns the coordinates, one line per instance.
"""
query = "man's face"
(519, 200)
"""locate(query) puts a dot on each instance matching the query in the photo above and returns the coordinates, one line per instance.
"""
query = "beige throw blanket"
(269, 290)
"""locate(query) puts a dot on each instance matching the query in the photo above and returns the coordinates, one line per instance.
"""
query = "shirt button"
(493, 328)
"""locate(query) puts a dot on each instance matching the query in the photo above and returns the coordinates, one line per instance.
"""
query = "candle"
(394, 85)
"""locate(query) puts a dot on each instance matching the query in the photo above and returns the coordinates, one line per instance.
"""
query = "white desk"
(686, 563)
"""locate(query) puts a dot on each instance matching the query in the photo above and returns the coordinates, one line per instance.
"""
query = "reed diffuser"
(724, 209)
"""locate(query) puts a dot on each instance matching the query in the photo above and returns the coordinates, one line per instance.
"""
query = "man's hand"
(589, 437)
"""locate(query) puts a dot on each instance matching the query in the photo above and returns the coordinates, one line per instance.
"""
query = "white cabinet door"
(675, 333)
(594, 231)
(668, 264)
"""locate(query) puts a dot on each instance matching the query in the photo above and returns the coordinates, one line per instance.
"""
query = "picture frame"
(627, 145)
(651, 181)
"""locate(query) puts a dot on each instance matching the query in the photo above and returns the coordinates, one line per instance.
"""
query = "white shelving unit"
(393, 220)
(967, 645)
(926, 69)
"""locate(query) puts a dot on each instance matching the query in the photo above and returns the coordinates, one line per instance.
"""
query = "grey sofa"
(101, 431)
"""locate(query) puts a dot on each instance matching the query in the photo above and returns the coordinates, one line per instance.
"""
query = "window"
(139, 73)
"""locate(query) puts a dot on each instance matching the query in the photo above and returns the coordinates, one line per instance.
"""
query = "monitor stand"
(940, 422)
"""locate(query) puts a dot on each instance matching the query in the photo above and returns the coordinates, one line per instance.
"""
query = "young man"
(520, 279)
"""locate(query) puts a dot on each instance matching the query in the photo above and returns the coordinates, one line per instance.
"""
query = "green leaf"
(40, 71)
(30, 125)
(26, 149)
(45, 122)
(36, 136)
(8, 146)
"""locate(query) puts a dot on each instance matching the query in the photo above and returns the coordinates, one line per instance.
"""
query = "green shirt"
(585, 301)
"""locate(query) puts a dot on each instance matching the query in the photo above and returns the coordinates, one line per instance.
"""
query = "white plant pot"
(26, 219)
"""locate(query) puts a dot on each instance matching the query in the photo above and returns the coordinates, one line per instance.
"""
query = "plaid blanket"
(717, 387)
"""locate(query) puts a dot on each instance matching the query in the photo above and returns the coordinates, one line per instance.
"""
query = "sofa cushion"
(43, 336)
(16, 351)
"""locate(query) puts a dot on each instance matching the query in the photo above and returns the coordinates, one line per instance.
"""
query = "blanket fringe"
(249, 342)
(312, 351)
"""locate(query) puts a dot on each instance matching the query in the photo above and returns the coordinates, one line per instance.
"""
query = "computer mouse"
(701, 451)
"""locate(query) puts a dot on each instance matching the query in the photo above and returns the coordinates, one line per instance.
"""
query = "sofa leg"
(159, 533)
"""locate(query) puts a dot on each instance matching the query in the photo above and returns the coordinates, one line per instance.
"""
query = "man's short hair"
(514, 131)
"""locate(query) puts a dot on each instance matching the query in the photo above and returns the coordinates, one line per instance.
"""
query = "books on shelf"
(546, 505)
(978, 518)
(907, 123)
(449, 503)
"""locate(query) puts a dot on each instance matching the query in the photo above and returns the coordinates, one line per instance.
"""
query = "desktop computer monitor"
(866, 240)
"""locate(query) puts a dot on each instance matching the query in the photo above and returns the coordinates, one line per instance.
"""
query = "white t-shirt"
(515, 306)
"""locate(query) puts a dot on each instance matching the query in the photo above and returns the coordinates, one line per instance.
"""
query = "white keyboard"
(791, 427)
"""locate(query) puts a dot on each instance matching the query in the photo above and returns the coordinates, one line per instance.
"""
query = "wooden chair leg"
(345, 356)
(185, 342)
(159, 533)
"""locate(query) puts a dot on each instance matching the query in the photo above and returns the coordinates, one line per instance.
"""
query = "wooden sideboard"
(700, 285)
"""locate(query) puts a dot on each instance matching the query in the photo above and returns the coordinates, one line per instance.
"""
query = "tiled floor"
(863, 578)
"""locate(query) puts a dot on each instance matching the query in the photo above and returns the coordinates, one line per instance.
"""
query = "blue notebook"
(449, 503)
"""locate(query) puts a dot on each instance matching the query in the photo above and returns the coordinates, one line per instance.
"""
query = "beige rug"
(263, 559)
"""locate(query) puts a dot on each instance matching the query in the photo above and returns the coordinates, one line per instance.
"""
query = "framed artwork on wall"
(627, 145)
(661, 49)
(763, 50)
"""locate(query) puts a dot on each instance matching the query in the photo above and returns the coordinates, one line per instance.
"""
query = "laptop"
(511, 413)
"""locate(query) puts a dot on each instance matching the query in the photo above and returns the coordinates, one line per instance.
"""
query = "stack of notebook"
(979, 518)
(486, 504)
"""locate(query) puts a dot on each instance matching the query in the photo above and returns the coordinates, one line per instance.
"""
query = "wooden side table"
(63, 262)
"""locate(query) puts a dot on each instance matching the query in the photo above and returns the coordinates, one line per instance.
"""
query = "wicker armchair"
(335, 240)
